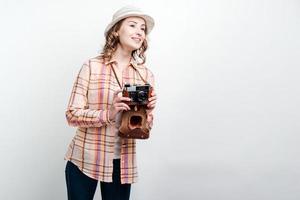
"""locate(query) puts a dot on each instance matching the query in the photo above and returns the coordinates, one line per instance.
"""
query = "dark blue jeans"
(82, 187)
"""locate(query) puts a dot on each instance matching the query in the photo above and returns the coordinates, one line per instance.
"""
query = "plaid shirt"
(92, 147)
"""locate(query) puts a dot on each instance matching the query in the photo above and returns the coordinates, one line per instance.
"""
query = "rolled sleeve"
(78, 114)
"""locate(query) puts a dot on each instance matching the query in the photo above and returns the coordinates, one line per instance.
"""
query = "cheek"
(125, 39)
(126, 31)
(125, 35)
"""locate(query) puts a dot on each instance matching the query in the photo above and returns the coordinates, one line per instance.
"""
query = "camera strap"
(140, 74)
(136, 70)
(116, 75)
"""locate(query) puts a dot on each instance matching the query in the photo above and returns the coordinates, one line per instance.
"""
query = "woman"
(96, 152)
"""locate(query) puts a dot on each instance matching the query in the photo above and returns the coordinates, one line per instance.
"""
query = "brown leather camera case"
(134, 124)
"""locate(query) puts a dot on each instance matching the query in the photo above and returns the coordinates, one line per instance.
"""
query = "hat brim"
(148, 19)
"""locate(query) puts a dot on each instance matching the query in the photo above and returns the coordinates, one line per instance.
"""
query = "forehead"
(137, 20)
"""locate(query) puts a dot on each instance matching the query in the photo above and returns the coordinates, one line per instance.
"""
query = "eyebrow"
(136, 22)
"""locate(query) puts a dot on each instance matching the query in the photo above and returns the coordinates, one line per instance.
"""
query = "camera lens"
(142, 96)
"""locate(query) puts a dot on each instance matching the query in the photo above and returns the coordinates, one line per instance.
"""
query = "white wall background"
(227, 120)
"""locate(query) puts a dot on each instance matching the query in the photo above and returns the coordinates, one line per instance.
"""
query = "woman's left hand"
(152, 101)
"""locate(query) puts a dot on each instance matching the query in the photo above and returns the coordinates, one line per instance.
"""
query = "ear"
(116, 34)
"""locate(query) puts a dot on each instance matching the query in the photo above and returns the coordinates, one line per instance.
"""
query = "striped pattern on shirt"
(92, 147)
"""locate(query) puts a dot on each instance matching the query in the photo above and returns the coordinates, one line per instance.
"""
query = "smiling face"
(132, 33)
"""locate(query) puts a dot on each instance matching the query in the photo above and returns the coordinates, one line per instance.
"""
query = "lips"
(136, 39)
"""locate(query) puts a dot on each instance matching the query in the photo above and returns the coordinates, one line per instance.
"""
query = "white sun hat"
(130, 11)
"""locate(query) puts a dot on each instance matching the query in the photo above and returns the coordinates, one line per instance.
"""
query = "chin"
(133, 47)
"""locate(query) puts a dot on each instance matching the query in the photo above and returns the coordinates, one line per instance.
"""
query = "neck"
(122, 56)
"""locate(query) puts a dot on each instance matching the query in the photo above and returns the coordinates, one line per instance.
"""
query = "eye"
(133, 25)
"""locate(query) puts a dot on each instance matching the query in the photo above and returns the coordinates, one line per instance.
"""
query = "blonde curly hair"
(112, 41)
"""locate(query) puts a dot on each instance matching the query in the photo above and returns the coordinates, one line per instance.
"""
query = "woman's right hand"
(118, 105)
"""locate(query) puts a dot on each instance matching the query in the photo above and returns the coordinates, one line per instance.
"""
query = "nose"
(139, 32)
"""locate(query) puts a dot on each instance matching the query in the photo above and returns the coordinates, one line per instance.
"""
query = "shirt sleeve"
(150, 117)
(78, 114)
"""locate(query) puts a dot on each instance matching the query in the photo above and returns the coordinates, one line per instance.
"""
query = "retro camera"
(138, 94)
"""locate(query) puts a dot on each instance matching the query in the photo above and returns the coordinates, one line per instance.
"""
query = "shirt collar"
(132, 62)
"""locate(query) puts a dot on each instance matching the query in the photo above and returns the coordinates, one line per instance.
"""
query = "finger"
(121, 109)
(151, 105)
(153, 101)
(152, 98)
(117, 92)
(125, 99)
(122, 105)
(153, 93)
(122, 99)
